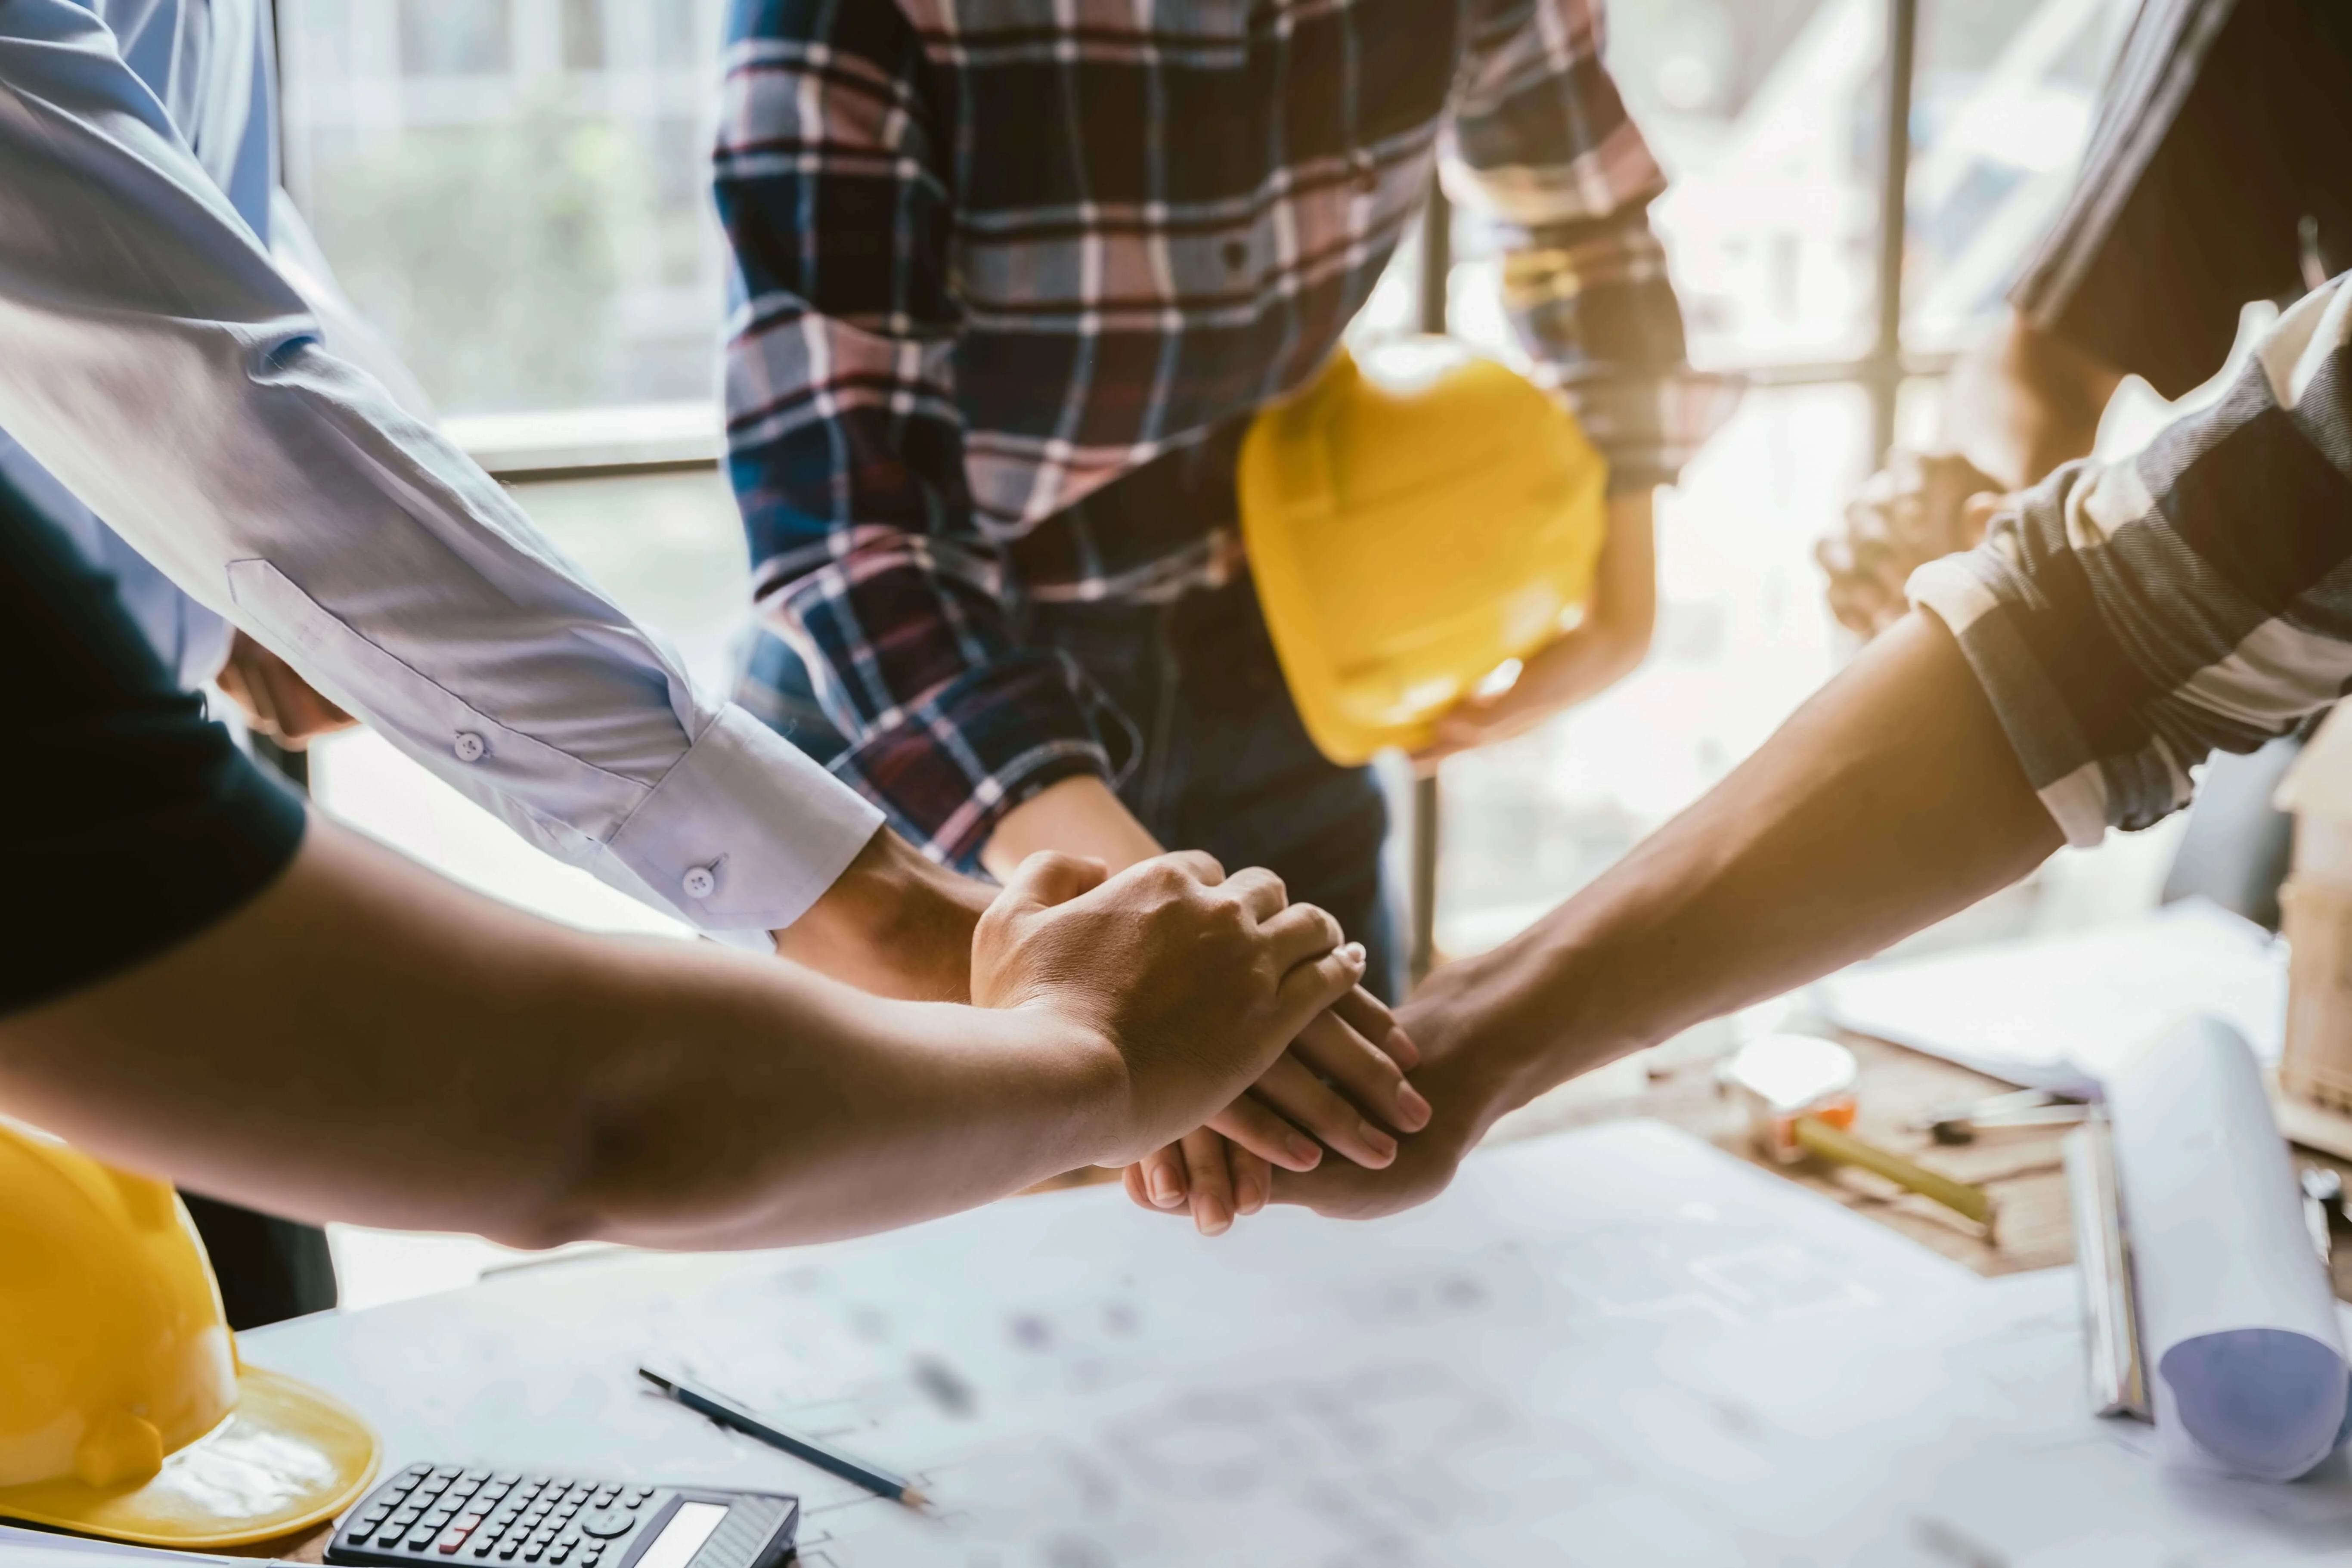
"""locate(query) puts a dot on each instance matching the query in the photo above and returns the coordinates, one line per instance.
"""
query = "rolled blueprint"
(2236, 1313)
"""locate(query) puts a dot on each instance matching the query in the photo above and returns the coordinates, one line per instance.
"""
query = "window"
(453, 38)
(2001, 109)
(512, 190)
(1769, 118)
(583, 35)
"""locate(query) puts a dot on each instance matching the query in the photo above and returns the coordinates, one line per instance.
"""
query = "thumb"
(1050, 877)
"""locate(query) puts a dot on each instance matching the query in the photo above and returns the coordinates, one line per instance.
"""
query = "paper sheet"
(2237, 1318)
(2057, 1013)
(2061, 1489)
(1617, 1346)
(21, 1548)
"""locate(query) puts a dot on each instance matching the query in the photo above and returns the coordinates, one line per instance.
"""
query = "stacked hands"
(1206, 991)
(1209, 991)
(1249, 1048)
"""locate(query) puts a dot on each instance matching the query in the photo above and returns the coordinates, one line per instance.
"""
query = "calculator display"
(687, 1528)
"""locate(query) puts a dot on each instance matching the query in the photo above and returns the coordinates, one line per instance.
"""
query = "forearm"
(1077, 816)
(2020, 402)
(720, 1130)
(365, 1042)
(1891, 799)
(894, 923)
(1614, 637)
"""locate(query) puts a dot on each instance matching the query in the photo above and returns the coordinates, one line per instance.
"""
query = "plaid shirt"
(1012, 275)
(2129, 619)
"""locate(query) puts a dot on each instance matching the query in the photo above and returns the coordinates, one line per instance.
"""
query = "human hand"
(1596, 653)
(1470, 1081)
(1193, 981)
(1573, 666)
(1347, 1067)
(1915, 510)
(275, 702)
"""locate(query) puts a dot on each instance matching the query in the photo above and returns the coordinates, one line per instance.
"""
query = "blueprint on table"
(1614, 1346)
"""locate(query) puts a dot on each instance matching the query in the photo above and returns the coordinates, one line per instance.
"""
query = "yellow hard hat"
(1412, 525)
(124, 1409)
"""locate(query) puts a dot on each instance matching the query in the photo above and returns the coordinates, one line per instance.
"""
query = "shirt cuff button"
(468, 747)
(699, 883)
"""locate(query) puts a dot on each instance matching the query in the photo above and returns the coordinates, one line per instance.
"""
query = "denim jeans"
(1226, 765)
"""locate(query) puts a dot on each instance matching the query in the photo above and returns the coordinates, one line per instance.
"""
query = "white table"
(1615, 1347)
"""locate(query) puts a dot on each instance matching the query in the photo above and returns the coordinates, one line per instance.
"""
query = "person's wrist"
(1075, 816)
(1081, 1068)
(1074, 1076)
(893, 922)
(1540, 1011)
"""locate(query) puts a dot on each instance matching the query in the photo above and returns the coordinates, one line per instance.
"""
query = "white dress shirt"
(156, 363)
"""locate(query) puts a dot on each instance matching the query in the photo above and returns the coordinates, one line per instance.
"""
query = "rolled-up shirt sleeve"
(1543, 149)
(163, 370)
(2129, 619)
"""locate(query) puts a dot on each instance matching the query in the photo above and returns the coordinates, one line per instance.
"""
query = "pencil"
(726, 1413)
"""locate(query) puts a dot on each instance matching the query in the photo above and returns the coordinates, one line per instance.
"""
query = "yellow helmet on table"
(124, 1411)
(1414, 524)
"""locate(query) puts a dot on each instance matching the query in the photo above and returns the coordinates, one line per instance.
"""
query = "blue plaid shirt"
(1012, 276)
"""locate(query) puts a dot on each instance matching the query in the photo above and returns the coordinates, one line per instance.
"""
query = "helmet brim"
(287, 1458)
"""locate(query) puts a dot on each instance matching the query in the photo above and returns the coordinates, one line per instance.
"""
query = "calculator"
(482, 1518)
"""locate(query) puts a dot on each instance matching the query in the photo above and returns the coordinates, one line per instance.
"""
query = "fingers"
(1198, 864)
(1298, 933)
(1255, 1127)
(1309, 1102)
(1162, 1176)
(1252, 1181)
(1262, 893)
(303, 714)
(1252, 1178)
(1311, 987)
(1361, 1072)
(1865, 584)
(1370, 1017)
(1209, 1180)
(252, 694)
(277, 703)
(1048, 878)
(1460, 729)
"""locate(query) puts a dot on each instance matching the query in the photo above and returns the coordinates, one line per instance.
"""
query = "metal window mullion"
(1893, 218)
(1436, 269)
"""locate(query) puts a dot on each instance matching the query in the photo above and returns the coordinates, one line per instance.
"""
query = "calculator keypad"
(480, 1517)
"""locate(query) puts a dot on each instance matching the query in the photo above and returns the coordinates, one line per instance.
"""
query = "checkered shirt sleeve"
(1543, 148)
(846, 444)
(2129, 619)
